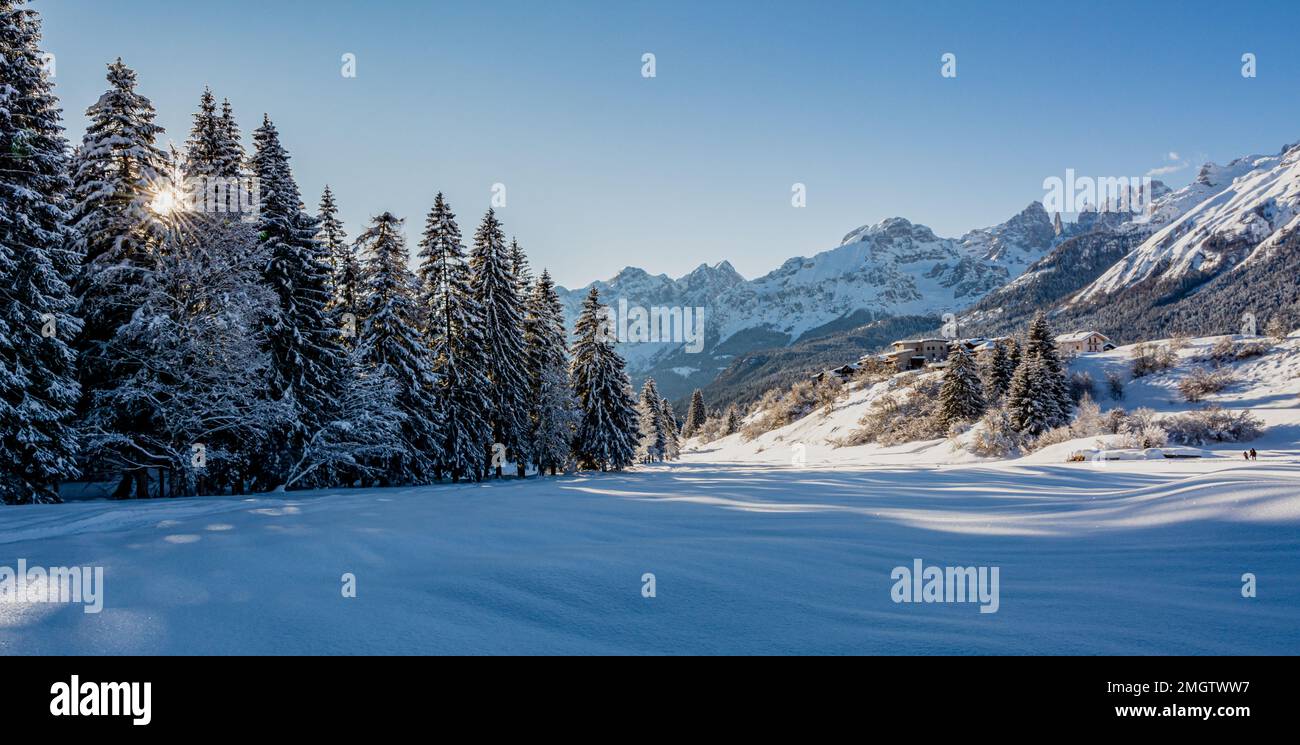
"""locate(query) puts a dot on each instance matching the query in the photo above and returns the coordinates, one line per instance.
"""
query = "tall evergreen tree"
(1041, 344)
(230, 163)
(118, 173)
(608, 428)
(345, 270)
(451, 324)
(1030, 402)
(519, 266)
(191, 365)
(496, 290)
(306, 357)
(551, 406)
(650, 414)
(204, 150)
(731, 421)
(672, 440)
(961, 397)
(696, 415)
(999, 373)
(38, 386)
(390, 341)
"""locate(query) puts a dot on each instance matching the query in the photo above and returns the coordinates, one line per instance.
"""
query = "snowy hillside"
(1268, 386)
(1238, 211)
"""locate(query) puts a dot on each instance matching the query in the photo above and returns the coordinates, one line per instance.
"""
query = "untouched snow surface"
(1138, 557)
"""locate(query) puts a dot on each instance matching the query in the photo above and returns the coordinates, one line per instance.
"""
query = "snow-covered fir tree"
(519, 265)
(1030, 401)
(453, 333)
(650, 414)
(496, 290)
(608, 428)
(731, 421)
(205, 151)
(696, 415)
(551, 404)
(230, 163)
(1041, 344)
(998, 376)
(961, 397)
(672, 440)
(390, 341)
(187, 400)
(118, 173)
(306, 356)
(345, 270)
(38, 386)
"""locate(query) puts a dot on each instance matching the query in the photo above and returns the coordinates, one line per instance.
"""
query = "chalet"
(843, 372)
(1083, 341)
(912, 354)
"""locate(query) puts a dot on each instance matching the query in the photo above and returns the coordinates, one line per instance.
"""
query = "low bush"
(1213, 424)
(1203, 381)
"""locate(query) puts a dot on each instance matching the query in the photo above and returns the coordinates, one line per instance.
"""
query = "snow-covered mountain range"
(891, 268)
(1222, 240)
(1225, 217)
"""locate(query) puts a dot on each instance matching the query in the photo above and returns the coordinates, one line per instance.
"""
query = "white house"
(1084, 341)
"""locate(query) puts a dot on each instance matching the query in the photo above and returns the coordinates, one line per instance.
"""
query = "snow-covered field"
(750, 552)
(1136, 558)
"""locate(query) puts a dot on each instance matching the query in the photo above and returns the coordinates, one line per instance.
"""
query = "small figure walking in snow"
(1245, 455)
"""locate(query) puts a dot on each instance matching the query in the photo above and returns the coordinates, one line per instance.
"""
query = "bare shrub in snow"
(1115, 385)
(1213, 424)
(905, 416)
(1252, 348)
(1202, 381)
(1227, 350)
(1141, 430)
(777, 409)
(1152, 358)
(1277, 327)
(1114, 420)
(1223, 350)
(995, 436)
(1082, 385)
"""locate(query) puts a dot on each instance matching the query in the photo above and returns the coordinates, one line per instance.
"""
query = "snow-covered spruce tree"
(1040, 344)
(997, 379)
(608, 428)
(696, 415)
(390, 341)
(38, 386)
(654, 439)
(961, 398)
(551, 405)
(118, 171)
(556, 417)
(731, 421)
(306, 356)
(519, 266)
(230, 162)
(496, 290)
(205, 150)
(453, 333)
(186, 398)
(672, 440)
(1030, 400)
(345, 270)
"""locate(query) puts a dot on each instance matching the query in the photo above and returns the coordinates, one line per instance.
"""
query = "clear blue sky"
(605, 168)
